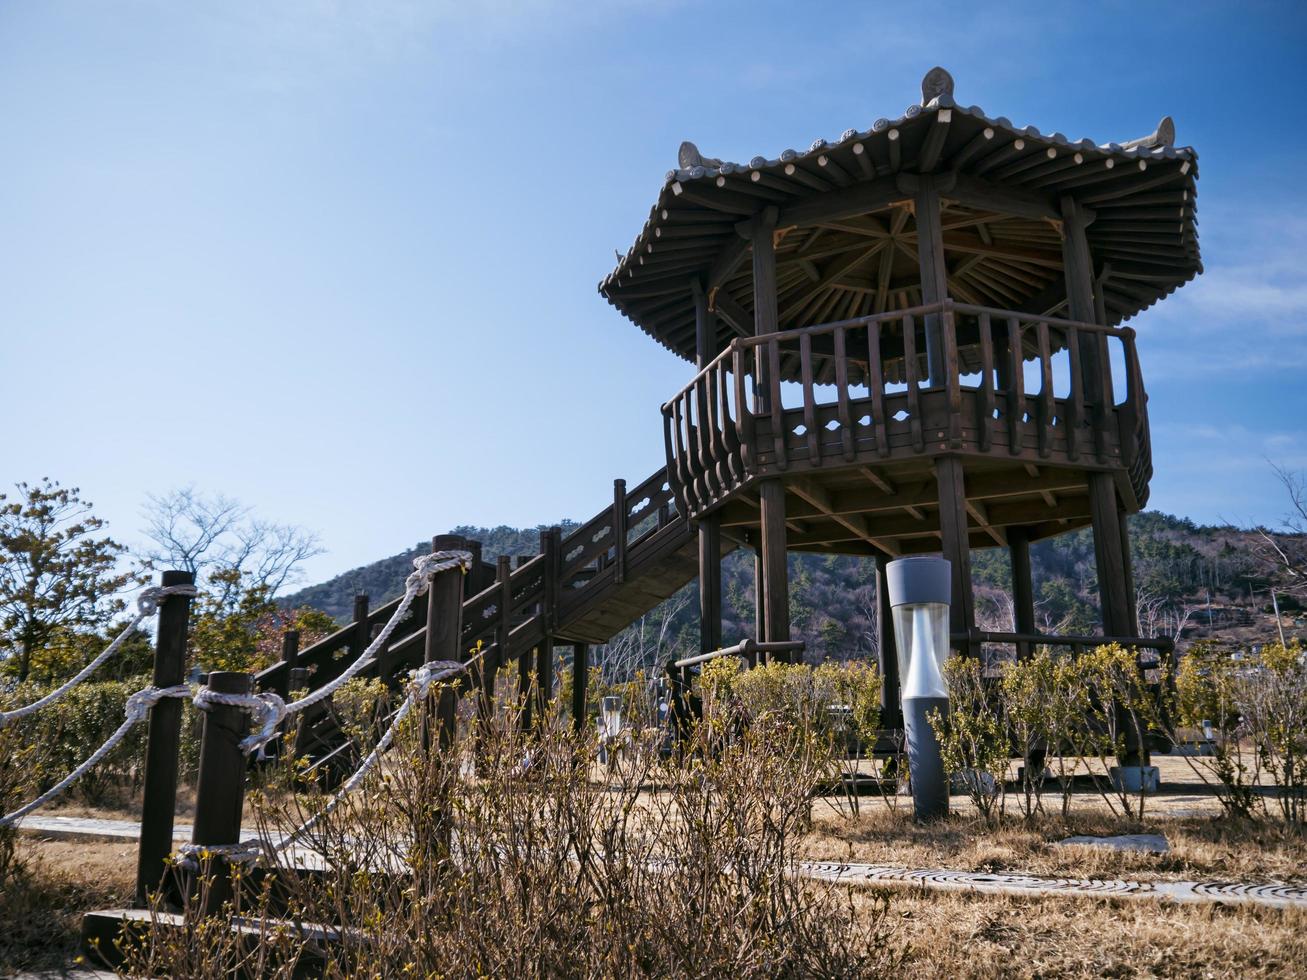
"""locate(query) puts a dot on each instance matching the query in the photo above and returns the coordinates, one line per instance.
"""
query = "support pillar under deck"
(775, 581)
(710, 584)
(956, 547)
(891, 709)
(1110, 557)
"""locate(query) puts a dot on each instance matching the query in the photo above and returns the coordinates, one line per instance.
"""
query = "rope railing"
(138, 707)
(147, 604)
(271, 710)
(267, 709)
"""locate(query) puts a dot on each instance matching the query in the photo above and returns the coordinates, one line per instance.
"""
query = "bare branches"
(209, 534)
(1284, 549)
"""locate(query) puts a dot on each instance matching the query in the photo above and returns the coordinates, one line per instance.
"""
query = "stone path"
(1274, 895)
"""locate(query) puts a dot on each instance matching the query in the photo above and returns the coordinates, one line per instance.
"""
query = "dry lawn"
(41, 908)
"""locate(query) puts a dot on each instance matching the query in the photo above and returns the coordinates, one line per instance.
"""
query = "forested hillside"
(1192, 581)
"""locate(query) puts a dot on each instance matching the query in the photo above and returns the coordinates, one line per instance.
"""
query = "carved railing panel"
(1027, 386)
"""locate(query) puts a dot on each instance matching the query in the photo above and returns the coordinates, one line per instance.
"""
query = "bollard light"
(919, 595)
(610, 711)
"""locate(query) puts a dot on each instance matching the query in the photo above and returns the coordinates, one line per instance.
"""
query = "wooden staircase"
(581, 588)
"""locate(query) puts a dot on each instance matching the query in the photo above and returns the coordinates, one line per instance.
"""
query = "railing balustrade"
(1029, 385)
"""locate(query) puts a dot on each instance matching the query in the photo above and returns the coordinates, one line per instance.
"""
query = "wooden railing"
(518, 607)
(864, 394)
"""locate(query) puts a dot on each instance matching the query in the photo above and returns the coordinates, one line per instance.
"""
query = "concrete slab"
(1148, 843)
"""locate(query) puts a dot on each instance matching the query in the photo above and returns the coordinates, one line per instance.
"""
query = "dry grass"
(1200, 847)
(957, 936)
(41, 907)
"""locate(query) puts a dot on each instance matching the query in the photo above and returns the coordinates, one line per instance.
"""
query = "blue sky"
(338, 260)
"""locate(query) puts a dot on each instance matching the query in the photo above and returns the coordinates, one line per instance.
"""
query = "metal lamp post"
(919, 595)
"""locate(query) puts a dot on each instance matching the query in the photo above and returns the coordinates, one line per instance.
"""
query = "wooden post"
(891, 708)
(956, 546)
(762, 237)
(220, 788)
(362, 635)
(934, 273)
(759, 604)
(580, 681)
(619, 532)
(544, 679)
(1127, 564)
(1078, 268)
(1114, 602)
(444, 633)
(1023, 592)
(160, 791)
(710, 583)
(775, 580)
(290, 658)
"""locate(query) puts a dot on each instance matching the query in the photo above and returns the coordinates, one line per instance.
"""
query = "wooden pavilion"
(909, 340)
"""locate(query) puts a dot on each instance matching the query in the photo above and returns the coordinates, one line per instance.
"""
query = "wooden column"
(710, 531)
(955, 545)
(544, 678)
(759, 604)
(934, 273)
(710, 584)
(1078, 268)
(762, 236)
(775, 580)
(580, 681)
(891, 708)
(159, 794)
(220, 784)
(1127, 564)
(1113, 594)
(1023, 592)
(444, 632)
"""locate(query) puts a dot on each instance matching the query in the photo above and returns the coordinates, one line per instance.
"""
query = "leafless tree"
(643, 645)
(1284, 549)
(207, 534)
(1159, 615)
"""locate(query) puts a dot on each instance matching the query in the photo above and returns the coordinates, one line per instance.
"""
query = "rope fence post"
(163, 741)
(220, 792)
(444, 633)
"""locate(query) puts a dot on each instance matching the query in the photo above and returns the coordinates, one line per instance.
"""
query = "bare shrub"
(503, 857)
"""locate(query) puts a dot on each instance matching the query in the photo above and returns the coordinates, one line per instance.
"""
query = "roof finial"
(689, 156)
(1163, 135)
(936, 83)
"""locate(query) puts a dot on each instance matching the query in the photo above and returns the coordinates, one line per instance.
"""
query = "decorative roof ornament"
(1163, 135)
(937, 82)
(688, 157)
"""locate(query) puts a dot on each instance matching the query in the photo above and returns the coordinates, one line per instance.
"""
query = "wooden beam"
(736, 316)
(819, 498)
(977, 193)
(862, 198)
(952, 492)
(977, 511)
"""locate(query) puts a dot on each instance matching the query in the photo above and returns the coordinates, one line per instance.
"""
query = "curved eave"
(1149, 238)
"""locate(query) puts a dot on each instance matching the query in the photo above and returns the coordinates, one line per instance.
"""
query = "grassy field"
(936, 934)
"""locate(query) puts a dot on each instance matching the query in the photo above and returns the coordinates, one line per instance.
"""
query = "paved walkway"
(1274, 895)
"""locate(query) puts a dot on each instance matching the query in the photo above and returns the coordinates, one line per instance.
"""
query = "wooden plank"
(876, 385)
(843, 414)
(910, 375)
(987, 405)
(1076, 407)
(809, 400)
(1045, 391)
(777, 409)
(1016, 395)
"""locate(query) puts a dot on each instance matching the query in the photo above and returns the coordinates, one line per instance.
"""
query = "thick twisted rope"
(138, 706)
(275, 710)
(246, 852)
(423, 679)
(147, 604)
